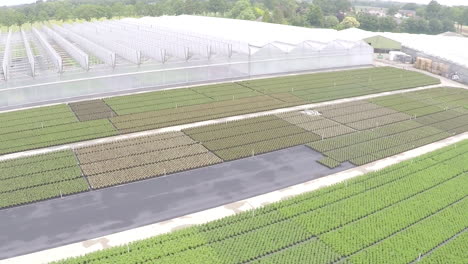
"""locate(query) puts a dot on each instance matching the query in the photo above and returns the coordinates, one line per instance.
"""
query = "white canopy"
(449, 48)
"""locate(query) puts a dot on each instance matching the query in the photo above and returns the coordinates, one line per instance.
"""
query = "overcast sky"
(445, 2)
(15, 2)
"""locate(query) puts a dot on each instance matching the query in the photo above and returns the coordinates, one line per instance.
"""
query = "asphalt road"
(58, 222)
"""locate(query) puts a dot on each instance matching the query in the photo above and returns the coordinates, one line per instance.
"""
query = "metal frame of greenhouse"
(60, 62)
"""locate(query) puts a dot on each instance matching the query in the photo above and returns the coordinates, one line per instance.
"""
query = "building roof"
(241, 33)
(448, 48)
(383, 43)
(451, 34)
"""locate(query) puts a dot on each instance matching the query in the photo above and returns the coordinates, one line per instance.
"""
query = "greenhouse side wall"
(240, 67)
(273, 61)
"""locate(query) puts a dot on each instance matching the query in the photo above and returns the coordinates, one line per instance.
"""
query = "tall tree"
(239, 7)
(332, 7)
(393, 10)
(266, 17)
(349, 22)
(435, 26)
(447, 25)
(415, 25)
(217, 6)
(410, 6)
(433, 10)
(368, 22)
(387, 24)
(278, 16)
(315, 16)
(465, 16)
(330, 21)
(246, 14)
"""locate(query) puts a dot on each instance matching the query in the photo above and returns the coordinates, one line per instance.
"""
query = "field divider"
(74, 114)
(198, 124)
(434, 214)
(197, 92)
(438, 246)
(281, 249)
(81, 170)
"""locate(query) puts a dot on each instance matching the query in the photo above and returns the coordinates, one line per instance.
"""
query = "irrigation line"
(409, 226)
(298, 243)
(81, 170)
(428, 253)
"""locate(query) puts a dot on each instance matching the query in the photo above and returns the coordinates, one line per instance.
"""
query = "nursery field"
(358, 132)
(61, 124)
(415, 211)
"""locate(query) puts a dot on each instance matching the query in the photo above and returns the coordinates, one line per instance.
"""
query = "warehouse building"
(443, 55)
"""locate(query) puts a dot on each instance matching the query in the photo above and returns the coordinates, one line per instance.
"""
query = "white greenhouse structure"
(52, 63)
(449, 50)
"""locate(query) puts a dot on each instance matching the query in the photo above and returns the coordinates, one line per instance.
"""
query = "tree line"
(339, 14)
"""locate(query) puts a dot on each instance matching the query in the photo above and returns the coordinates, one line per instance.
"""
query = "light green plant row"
(31, 179)
(329, 162)
(57, 135)
(43, 192)
(453, 252)
(34, 113)
(33, 159)
(353, 222)
(31, 166)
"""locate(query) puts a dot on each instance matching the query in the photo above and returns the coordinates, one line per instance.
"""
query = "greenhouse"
(51, 63)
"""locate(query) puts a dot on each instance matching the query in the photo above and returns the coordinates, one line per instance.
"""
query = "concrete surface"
(84, 216)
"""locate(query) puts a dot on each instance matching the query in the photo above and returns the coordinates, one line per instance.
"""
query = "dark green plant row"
(91, 110)
(250, 137)
(410, 208)
(329, 162)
